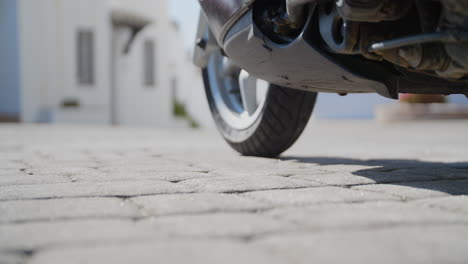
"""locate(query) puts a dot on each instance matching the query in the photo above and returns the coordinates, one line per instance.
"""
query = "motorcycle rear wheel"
(256, 118)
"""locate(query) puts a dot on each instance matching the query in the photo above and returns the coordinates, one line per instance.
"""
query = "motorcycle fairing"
(302, 64)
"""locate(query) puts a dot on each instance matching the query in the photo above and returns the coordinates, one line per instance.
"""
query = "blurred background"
(128, 63)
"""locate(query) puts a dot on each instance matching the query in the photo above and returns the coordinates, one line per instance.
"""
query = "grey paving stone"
(245, 183)
(334, 178)
(335, 164)
(405, 245)
(10, 172)
(418, 190)
(458, 204)
(49, 210)
(365, 215)
(345, 167)
(25, 179)
(228, 165)
(362, 167)
(368, 177)
(50, 166)
(225, 162)
(11, 164)
(10, 258)
(219, 225)
(317, 195)
(172, 176)
(67, 171)
(273, 170)
(32, 236)
(145, 166)
(91, 189)
(196, 203)
(196, 252)
(311, 225)
(390, 173)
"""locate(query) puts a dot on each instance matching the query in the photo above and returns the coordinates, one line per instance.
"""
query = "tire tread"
(286, 109)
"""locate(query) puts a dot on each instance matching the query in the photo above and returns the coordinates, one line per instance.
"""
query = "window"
(174, 86)
(149, 63)
(85, 57)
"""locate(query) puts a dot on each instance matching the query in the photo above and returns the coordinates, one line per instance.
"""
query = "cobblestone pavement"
(348, 192)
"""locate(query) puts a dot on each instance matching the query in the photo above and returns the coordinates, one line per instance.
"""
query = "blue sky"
(185, 12)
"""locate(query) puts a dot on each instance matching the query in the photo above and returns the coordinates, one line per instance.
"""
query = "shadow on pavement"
(451, 178)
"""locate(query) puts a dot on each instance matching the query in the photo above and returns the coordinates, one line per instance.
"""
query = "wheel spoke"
(248, 90)
(238, 96)
(229, 68)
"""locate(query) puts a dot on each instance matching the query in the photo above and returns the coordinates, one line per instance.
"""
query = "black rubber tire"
(286, 113)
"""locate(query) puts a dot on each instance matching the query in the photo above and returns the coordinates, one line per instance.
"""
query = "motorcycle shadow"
(449, 178)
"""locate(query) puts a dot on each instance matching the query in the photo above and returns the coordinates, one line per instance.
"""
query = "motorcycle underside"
(265, 61)
(355, 46)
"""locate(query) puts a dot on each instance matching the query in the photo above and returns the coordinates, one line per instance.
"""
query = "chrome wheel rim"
(238, 96)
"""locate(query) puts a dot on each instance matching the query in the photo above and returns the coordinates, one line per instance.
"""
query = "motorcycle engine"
(427, 36)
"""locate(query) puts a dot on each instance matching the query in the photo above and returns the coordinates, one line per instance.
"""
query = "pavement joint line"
(143, 195)
(149, 216)
(69, 219)
(106, 181)
(143, 217)
(392, 183)
(134, 218)
(270, 189)
(301, 188)
(227, 192)
(293, 206)
(92, 196)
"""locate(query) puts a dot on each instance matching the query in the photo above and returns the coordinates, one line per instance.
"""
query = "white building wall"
(196, 101)
(48, 31)
(48, 37)
(37, 58)
(94, 99)
(139, 104)
(190, 89)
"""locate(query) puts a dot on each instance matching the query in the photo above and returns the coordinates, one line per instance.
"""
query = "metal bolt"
(201, 43)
